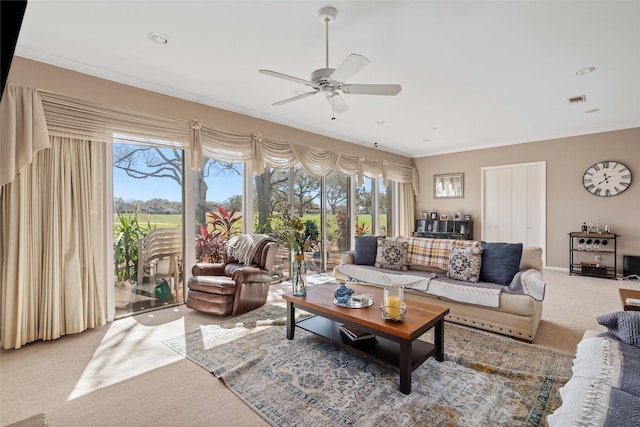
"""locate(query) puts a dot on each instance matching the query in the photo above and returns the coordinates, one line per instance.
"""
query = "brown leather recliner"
(232, 287)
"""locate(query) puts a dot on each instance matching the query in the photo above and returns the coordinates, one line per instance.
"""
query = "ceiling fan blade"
(295, 98)
(285, 77)
(337, 103)
(389, 90)
(349, 67)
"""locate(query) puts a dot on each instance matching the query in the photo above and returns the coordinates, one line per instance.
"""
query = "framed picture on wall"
(448, 186)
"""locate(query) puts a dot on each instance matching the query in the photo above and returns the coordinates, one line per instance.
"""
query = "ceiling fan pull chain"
(333, 103)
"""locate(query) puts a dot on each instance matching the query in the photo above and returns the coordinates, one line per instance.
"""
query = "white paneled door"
(514, 204)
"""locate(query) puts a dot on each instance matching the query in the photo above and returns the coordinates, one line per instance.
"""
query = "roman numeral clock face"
(607, 178)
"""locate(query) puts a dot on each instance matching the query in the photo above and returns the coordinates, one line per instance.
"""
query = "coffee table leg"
(439, 340)
(291, 320)
(405, 367)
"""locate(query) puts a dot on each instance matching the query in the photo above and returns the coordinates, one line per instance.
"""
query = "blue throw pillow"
(623, 325)
(365, 250)
(500, 262)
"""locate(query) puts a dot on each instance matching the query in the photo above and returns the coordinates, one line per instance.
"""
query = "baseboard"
(562, 269)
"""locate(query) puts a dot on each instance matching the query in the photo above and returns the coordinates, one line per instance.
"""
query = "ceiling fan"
(330, 81)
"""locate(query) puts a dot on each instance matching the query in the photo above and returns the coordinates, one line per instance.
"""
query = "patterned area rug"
(485, 380)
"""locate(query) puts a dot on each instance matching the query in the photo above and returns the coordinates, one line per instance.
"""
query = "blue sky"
(129, 188)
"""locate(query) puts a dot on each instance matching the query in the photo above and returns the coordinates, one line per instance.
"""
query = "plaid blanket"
(432, 252)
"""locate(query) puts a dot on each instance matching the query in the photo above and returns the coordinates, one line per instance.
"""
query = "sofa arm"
(346, 257)
(208, 269)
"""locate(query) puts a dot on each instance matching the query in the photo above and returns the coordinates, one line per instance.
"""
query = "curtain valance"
(23, 130)
(66, 116)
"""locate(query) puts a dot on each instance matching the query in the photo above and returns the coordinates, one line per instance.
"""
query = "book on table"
(355, 334)
(633, 301)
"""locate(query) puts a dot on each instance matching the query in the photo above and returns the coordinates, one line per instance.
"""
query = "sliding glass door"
(147, 233)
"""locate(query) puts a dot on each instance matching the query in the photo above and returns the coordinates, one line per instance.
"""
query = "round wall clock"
(607, 178)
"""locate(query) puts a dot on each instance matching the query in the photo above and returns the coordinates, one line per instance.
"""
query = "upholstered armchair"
(234, 287)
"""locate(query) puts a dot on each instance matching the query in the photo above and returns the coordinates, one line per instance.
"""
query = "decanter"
(342, 294)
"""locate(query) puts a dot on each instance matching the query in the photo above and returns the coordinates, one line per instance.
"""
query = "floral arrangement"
(292, 232)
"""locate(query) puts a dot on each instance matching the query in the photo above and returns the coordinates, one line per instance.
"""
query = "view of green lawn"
(175, 220)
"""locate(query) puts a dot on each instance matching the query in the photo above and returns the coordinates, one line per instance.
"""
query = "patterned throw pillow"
(464, 263)
(391, 255)
(623, 325)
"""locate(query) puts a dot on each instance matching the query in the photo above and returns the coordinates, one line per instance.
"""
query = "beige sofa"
(518, 315)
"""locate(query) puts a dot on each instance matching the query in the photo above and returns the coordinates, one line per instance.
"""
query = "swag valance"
(71, 117)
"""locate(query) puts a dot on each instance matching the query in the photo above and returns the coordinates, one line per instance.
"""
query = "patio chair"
(159, 254)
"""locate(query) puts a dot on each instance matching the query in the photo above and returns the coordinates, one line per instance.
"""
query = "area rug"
(485, 380)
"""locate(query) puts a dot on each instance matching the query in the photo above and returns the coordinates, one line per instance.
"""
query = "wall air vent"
(577, 99)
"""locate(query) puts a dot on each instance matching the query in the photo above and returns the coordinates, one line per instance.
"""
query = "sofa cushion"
(391, 255)
(366, 249)
(623, 325)
(432, 252)
(500, 262)
(464, 263)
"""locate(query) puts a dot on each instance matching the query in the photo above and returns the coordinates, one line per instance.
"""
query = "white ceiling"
(473, 74)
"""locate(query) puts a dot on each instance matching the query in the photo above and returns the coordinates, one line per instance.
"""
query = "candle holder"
(393, 307)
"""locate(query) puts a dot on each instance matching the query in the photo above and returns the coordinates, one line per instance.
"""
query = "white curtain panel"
(406, 209)
(53, 244)
(23, 129)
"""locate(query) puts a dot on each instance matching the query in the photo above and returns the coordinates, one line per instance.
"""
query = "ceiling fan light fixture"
(331, 81)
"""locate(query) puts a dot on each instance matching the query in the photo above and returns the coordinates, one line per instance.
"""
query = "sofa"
(496, 287)
(604, 389)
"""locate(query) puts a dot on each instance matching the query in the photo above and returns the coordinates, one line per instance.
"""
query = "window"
(218, 207)
(336, 223)
(364, 208)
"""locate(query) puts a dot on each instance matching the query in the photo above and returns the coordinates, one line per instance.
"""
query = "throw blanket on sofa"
(605, 387)
(527, 282)
(244, 247)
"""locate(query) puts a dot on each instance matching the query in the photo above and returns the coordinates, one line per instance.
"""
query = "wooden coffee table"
(396, 342)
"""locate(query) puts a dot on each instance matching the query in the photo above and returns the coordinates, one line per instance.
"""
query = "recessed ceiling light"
(593, 110)
(380, 122)
(158, 38)
(584, 71)
(426, 140)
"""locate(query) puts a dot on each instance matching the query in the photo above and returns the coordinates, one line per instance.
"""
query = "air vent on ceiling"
(577, 99)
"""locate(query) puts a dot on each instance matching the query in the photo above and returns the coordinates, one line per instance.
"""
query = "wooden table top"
(629, 293)
(420, 316)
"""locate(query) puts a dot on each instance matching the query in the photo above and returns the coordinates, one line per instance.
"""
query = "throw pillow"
(365, 251)
(500, 262)
(464, 263)
(623, 325)
(391, 254)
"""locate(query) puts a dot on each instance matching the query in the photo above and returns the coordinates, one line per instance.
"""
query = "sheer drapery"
(82, 119)
(23, 129)
(406, 210)
(52, 218)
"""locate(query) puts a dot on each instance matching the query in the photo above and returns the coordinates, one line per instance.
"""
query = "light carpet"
(484, 380)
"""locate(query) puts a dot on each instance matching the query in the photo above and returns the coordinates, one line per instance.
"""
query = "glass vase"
(298, 273)
(393, 306)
